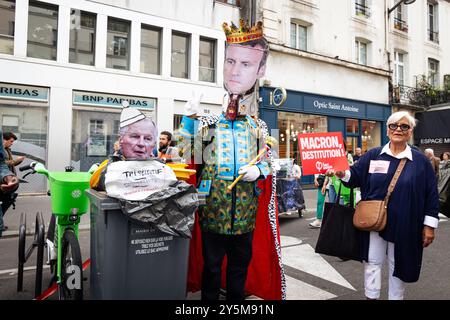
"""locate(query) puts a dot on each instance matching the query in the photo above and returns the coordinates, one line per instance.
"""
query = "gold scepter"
(270, 143)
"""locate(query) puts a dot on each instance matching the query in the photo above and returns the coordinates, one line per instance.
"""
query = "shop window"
(10, 123)
(180, 55)
(370, 135)
(93, 137)
(7, 21)
(150, 50)
(177, 121)
(352, 126)
(207, 60)
(117, 49)
(290, 125)
(42, 30)
(30, 125)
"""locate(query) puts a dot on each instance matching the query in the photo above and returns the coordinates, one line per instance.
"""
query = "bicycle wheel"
(71, 286)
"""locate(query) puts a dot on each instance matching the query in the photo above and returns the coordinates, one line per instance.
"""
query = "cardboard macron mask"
(245, 62)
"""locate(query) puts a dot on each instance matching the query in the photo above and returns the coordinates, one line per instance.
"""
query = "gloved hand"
(251, 173)
(192, 106)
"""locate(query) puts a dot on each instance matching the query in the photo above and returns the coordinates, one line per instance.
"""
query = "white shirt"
(407, 153)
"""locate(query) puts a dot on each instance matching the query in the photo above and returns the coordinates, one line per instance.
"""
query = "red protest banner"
(322, 151)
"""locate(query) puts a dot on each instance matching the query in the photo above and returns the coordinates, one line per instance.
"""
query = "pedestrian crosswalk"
(298, 256)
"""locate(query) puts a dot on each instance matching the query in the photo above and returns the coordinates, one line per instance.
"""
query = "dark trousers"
(7, 200)
(238, 249)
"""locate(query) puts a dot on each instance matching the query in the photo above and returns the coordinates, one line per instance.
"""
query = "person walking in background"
(8, 183)
(320, 181)
(9, 199)
(412, 212)
(445, 157)
(433, 160)
(8, 140)
(357, 155)
(444, 184)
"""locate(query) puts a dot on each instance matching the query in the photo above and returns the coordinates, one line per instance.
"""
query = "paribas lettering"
(141, 173)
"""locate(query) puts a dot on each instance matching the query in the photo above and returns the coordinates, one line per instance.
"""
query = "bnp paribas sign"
(21, 92)
(96, 99)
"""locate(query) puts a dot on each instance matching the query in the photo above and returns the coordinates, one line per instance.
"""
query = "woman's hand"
(331, 172)
(427, 236)
(316, 183)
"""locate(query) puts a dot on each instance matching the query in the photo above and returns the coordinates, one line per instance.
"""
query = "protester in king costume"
(227, 221)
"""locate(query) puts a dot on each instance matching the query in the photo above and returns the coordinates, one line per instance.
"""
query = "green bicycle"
(69, 202)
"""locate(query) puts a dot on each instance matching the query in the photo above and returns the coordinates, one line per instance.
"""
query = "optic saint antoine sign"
(334, 106)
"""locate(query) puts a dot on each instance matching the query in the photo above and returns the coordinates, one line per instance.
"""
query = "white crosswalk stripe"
(302, 257)
(299, 290)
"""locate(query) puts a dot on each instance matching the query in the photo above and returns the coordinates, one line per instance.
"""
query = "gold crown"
(244, 33)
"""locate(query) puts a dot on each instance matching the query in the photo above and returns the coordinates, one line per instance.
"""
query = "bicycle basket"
(68, 191)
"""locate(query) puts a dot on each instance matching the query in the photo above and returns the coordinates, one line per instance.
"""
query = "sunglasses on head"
(403, 127)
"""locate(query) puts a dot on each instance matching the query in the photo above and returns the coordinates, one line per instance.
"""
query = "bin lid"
(70, 177)
(102, 201)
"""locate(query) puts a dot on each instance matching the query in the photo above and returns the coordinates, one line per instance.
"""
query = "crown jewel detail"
(243, 33)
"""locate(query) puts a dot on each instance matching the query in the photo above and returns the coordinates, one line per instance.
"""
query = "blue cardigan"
(415, 195)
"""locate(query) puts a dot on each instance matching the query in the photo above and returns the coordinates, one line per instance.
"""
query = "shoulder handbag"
(338, 237)
(371, 215)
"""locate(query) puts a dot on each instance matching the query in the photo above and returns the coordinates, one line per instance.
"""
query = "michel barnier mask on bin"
(245, 62)
(137, 134)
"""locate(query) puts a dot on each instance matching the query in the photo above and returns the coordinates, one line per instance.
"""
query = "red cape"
(264, 273)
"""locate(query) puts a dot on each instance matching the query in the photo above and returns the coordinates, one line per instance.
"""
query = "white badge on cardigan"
(379, 166)
(136, 180)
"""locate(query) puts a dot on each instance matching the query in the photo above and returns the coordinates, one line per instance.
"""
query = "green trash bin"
(129, 261)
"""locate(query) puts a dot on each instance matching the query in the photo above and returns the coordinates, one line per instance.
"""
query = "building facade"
(333, 65)
(66, 66)
(419, 46)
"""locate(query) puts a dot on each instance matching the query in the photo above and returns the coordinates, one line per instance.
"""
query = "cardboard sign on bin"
(136, 180)
(322, 151)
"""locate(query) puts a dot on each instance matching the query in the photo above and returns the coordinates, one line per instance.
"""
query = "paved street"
(309, 275)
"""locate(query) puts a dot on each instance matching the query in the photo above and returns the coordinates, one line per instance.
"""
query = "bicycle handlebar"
(27, 167)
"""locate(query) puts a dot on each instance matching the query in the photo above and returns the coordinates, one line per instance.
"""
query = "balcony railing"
(419, 97)
(362, 10)
(433, 36)
(400, 25)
